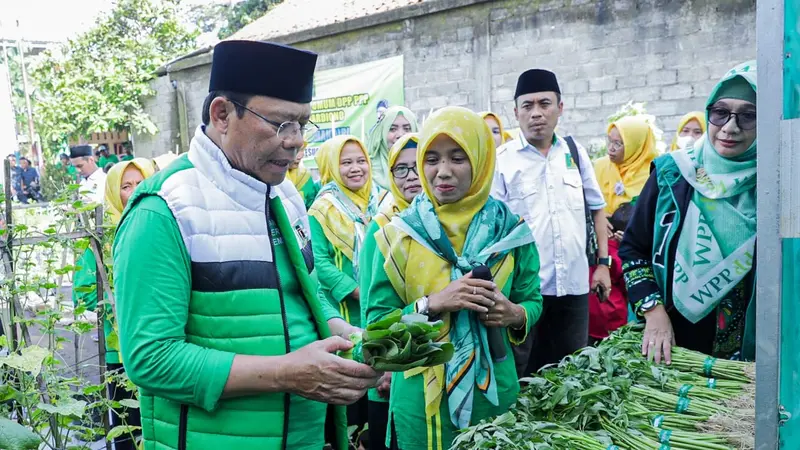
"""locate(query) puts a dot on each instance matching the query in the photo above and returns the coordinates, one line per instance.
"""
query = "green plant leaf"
(14, 436)
(388, 320)
(28, 360)
(66, 407)
(121, 430)
(129, 403)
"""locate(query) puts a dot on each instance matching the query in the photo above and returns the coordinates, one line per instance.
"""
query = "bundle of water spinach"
(610, 394)
(400, 342)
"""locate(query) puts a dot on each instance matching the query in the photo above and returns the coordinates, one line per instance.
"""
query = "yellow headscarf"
(113, 201)
(398, 202)
(621, 183)
(473, 135)
(507, 136)
(494, 116)
(299, 176)
(323, 164)
(699, 116)
(338, 228)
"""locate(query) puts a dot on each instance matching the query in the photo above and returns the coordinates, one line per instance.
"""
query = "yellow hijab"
(398, 202)
(473, 135)
(340, 229)
(113, 203)
(621, 183)
(494, 116)
(699, 116)
(299, 176)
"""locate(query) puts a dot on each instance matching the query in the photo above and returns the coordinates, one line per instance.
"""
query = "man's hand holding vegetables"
(314, 372)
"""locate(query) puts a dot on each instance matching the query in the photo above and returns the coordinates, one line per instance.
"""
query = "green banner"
(349, 99)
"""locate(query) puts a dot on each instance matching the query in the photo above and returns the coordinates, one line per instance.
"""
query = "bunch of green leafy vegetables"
(613, 395)
(400, 342)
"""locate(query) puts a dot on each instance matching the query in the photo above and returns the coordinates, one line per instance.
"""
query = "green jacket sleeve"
(335, 282)
(310, 191)
(381, 298)
(153, 314)
(526, 290)
(85, 278)
(328, 311)
(368, 250)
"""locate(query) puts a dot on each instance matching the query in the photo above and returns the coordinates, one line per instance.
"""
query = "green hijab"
(379, 147)
(717, 243)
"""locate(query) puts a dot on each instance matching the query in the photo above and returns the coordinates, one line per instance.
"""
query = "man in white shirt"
(539, 180)
(93, 179)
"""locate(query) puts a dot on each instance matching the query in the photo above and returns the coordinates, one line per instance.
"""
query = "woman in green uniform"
(405, 185)
(121, 181)
(301, 178)
(338, 218)
(424, 264)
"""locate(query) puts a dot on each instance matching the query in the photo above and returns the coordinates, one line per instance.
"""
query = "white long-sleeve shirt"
(548, 192)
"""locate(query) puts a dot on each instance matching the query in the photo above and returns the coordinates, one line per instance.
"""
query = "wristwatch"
(648, 305)
(605, 261)
(423, 305)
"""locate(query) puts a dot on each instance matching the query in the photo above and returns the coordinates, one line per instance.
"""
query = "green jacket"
(84, 292)
(203, 275)
(407, 403)
(335, 275)
(309, 192)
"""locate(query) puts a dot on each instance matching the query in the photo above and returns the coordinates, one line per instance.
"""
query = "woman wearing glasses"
(404, 185)
(689, 249)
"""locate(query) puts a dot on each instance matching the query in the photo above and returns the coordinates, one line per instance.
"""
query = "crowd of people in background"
(253, 264)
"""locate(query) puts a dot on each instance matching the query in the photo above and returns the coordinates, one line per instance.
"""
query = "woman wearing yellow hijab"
(338, 218)
(121, 181)
(623, 172)
(691, 127)
(425, 264)
(496, 126)
(404, 184)
(301, 178)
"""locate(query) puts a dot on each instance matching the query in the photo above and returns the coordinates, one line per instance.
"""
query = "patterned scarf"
(716, 246)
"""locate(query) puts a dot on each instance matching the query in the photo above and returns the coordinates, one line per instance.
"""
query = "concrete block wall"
(668, 54)
(161, 107)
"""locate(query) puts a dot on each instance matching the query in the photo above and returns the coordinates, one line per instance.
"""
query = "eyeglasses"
(721, 116)
(287, 130)
(403, 171)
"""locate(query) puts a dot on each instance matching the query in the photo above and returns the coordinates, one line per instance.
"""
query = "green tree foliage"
(243, 13)
(96, 81)
(17, 92)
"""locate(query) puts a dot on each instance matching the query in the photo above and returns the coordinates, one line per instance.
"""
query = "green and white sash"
(716, 245)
